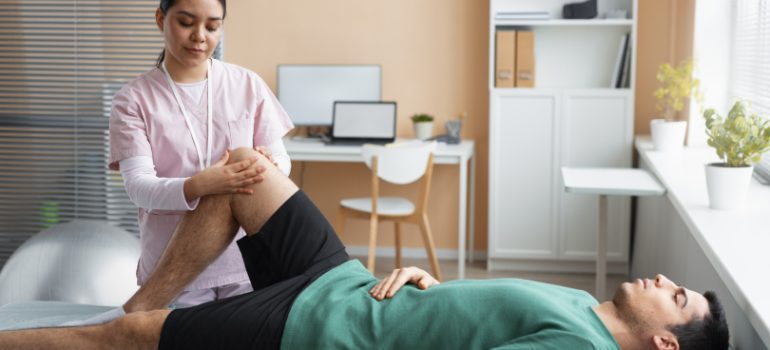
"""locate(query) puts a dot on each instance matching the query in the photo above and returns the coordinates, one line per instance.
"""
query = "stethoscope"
(203, 164)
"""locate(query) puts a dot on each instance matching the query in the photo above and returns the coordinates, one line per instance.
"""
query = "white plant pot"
(727, 186)
(668, 135)
(423, 130)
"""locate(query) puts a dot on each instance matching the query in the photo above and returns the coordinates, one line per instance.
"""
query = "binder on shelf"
(625, 76)
(505, 56)
(525, 58)
(619, 60)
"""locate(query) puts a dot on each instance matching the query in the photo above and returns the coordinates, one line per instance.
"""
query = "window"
(60, 63)
(751, 59)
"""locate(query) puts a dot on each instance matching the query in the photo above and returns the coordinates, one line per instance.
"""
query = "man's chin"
(622, 295)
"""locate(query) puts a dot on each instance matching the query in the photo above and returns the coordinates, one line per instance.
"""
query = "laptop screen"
(364, 120)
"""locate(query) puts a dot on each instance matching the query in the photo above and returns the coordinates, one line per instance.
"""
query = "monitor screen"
(364, 120)
(308, 92)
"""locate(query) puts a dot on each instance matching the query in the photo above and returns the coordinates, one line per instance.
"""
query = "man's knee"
(242, 153)
(139, 327)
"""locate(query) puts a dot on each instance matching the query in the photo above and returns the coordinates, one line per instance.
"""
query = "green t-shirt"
(337, 312)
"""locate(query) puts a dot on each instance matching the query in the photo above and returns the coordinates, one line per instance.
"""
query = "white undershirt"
(194, 90)
(149, 191)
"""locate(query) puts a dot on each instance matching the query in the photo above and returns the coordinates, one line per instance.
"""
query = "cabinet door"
(596, 132)
(521, 179)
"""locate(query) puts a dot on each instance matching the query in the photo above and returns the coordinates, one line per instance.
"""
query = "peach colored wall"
(434, 56)
(665, 34)
(434, 60)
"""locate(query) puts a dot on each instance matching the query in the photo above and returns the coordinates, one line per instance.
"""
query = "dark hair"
(709, 332)
(167, 4)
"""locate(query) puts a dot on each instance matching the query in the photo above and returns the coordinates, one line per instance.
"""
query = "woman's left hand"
(388, 286)
(266, 152)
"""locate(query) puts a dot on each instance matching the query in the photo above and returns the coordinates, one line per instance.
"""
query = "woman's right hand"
(222, 178)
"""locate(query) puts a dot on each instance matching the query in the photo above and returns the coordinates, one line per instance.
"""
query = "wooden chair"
(398, 165)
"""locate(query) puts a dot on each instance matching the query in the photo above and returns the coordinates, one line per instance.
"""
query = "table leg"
(472, 210)
(461, 216)
(601, 250)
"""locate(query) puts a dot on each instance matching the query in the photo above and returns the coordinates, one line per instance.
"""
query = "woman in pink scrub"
(170, 132)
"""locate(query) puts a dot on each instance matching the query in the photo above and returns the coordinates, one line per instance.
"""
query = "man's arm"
(388, 286)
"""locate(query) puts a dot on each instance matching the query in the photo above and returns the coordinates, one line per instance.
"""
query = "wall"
(434, 59)
(665, 35)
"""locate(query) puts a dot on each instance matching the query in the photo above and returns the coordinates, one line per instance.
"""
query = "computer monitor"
(308, 92)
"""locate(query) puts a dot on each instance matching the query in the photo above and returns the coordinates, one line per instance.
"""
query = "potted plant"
(676, 86)
(740, 139)
(423, 126)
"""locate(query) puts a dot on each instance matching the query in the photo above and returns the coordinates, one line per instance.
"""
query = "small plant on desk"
(423, 126)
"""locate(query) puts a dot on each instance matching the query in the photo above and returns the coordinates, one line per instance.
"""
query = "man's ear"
(665, 342)
(159, 18)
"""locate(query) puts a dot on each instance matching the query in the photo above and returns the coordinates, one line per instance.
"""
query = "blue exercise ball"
(82, 261)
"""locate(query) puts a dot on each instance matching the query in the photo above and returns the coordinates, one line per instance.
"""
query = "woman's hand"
(266, 152)
(388, 286)
(222, 178)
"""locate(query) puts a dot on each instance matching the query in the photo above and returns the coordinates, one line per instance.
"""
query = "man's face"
(650, 305)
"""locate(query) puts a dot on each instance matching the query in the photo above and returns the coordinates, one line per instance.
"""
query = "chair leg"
(427, 237)
(372, 242)
(398, 245)
(340, 222)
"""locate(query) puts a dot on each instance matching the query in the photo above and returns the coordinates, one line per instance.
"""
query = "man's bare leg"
(216, 219)
(203, 234)
(139, 330)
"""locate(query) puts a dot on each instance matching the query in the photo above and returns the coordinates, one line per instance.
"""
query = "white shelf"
(579, 88)
(564, 22)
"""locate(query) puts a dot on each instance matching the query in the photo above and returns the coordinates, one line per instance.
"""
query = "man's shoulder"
(557, 339)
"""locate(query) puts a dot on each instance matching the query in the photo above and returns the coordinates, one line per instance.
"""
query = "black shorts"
(295, 246)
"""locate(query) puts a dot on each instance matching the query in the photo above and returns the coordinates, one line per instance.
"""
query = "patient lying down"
(309, 295)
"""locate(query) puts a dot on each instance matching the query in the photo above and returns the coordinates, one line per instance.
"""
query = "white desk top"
(611, 181)
(735, 242)
(318, 151)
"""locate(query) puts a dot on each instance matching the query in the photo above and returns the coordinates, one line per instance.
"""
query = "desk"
(445, 154)
(608, 182)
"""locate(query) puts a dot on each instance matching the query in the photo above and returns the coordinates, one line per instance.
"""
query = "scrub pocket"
(241, 133)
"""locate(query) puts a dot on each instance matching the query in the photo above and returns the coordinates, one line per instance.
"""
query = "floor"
(478, 270)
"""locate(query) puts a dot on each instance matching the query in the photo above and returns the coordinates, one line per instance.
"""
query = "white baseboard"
(414, 253)
(525, 265)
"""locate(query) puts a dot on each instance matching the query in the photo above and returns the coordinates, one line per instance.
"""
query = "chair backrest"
(399, 164)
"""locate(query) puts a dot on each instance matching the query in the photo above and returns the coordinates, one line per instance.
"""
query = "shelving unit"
(572, 117)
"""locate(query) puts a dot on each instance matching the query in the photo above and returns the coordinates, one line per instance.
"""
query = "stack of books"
(522, 15)
(621, 75)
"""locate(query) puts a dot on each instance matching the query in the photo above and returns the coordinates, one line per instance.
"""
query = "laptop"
(360, 122)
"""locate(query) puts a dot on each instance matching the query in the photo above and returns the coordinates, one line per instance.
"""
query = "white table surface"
(737, 242)
(608, 182)
(460, 154)
(611, 181)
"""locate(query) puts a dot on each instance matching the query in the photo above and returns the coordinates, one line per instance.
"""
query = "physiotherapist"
(170, 132)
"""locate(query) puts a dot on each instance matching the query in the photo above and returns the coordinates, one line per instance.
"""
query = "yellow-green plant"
(740, 139)
(676, 86)
(422, 117)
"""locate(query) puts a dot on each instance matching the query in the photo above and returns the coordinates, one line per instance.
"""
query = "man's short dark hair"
(708, 332)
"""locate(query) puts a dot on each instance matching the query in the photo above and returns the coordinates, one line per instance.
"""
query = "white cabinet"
(522, 155)
(570, 118)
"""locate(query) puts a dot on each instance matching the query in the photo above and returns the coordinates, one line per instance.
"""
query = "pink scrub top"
(146, 121)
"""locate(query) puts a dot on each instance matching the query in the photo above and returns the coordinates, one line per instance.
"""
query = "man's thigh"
(253, 320)
(296, 240)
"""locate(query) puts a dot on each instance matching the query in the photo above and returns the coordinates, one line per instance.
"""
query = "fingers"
(265, 152)
(378, 292)
(222, 161)
(389, 286)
